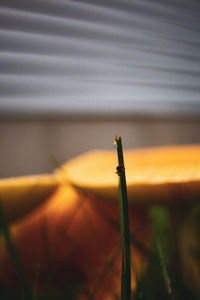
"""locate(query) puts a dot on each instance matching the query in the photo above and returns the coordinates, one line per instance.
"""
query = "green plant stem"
(26, 291)
(159, 224)
(163, 268)
(124, 225)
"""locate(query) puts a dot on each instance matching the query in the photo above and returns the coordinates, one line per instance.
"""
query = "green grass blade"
(26, 291)
(159, 230)
(124, 224)
(35, 290)
(163, 267)
(123, 279)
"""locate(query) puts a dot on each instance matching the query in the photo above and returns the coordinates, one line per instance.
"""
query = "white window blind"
(65, 58)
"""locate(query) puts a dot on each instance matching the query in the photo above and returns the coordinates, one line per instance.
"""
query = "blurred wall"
(63, 58)
(25, 146)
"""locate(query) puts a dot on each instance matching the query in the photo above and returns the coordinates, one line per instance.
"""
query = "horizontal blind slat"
(80, 57)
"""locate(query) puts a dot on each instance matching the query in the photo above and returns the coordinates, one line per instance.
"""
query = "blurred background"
(73, 74)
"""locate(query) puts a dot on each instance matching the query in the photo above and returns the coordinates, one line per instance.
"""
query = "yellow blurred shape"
(154, 175)
(19, 195)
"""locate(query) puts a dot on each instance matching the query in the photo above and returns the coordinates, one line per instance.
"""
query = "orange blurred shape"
(75, 240)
